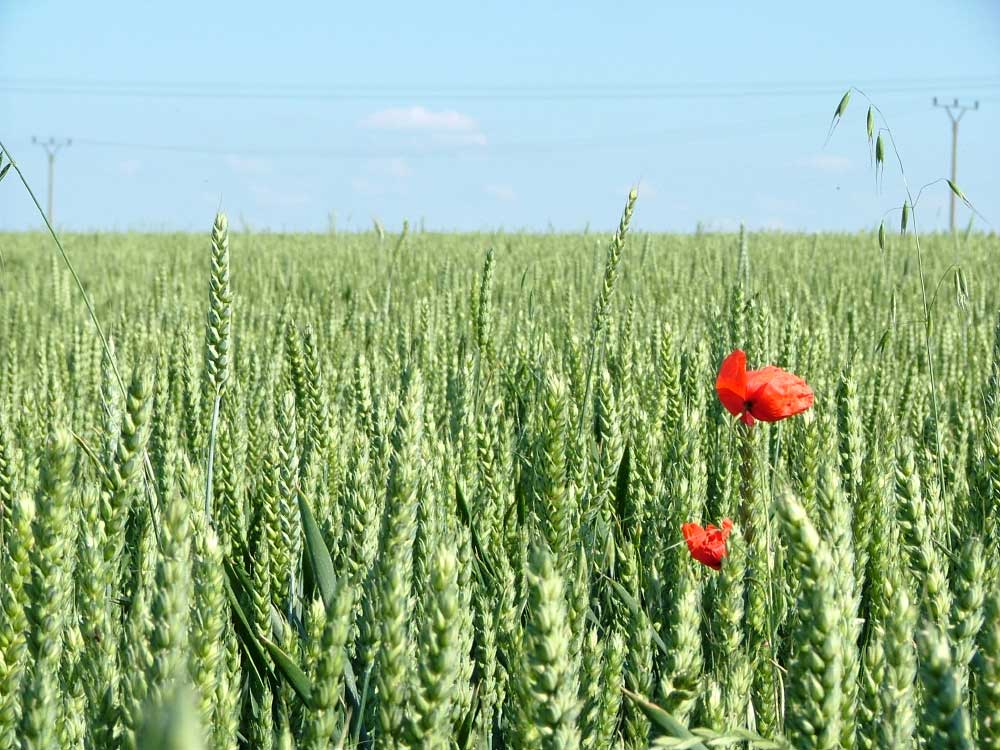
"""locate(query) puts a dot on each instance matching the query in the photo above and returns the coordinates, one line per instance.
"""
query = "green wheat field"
(417, 490)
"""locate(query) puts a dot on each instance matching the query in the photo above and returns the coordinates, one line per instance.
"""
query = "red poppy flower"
(707, 545)
(769, 394)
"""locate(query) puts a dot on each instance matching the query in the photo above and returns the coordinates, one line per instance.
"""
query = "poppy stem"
(746, 512)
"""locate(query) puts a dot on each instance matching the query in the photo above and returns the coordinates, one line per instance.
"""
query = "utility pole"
(51, 147)
(955, 112)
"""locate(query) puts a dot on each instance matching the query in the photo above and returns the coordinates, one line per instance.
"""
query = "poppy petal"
(707, 545)
(757, 379)
(693, 534)
(710, 561)
(731, 384)
(708, 555)
(781, 395)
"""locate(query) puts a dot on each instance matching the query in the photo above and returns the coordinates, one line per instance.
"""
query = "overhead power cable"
(617, 142)
(531, 92)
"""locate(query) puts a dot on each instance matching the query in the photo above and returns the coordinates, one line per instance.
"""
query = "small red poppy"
(707, 545)
(768, 394)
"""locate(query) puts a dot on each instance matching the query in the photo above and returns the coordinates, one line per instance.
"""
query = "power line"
(52, 147)
(686, 91)
(619, 142)
(955, 117)
(532, 86)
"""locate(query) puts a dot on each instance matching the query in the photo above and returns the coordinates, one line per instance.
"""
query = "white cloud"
(830, 163)
(420, 118)
(443, 126)
(503, 193)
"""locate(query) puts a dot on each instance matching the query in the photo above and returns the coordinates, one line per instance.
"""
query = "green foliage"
(48, 596)
(449, 516)
(435, 692)
(945, 719)
(548, 705)
(817, 665)
(987, 672)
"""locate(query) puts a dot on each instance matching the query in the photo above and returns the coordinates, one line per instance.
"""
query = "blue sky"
(491, 115)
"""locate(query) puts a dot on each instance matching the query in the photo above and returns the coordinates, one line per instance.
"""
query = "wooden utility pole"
(955, 112)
